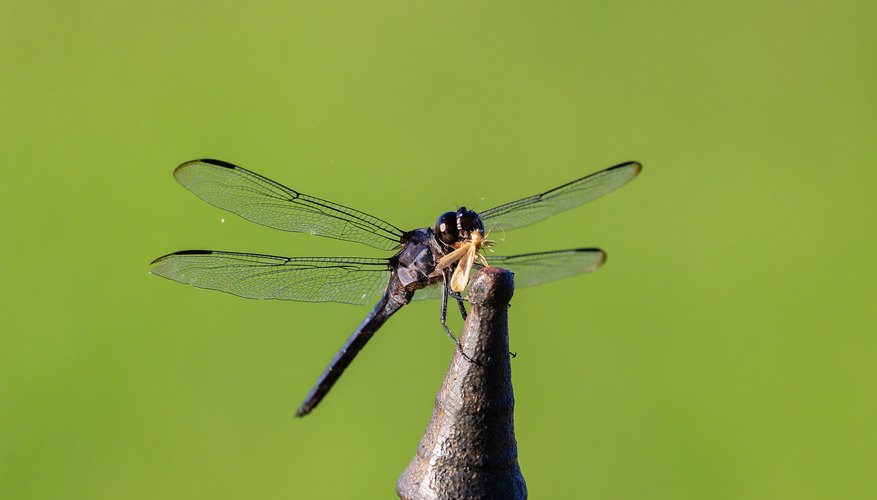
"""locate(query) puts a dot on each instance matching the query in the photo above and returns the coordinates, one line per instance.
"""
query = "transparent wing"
(540, 206)
(542, 267)
(533, 269)
(269, 203)
(433, 291)
(308, 279)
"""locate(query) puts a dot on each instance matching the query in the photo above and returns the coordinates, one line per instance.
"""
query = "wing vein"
(263, 201)
(538, 207)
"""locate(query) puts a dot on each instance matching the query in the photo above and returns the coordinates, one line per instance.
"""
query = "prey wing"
(347, 280)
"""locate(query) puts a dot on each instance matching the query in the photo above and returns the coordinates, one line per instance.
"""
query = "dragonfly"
(429, 262)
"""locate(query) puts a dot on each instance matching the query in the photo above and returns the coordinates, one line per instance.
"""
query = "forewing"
(269, 203)
(540, 206)
(254, 276)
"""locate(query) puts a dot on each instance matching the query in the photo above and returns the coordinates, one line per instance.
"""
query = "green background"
(727, 349)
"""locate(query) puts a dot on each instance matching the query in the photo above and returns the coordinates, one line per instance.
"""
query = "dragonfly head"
(452, 228)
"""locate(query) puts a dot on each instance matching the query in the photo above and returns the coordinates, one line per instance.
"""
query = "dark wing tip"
(218, 163)
(208, 161)
(600, 262)
(637, 166)
(597, 264)
(182, 252)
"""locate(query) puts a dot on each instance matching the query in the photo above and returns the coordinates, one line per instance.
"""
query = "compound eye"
(469, 221)
(446, 228)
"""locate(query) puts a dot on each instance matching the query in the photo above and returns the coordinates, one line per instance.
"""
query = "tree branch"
(469, 448)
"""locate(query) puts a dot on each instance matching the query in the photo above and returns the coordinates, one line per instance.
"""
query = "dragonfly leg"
(460, 300)
(462, 308)
(446, 291)
(444, 312)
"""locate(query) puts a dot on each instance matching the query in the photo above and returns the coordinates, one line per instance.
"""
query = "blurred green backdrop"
(726, 350)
